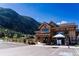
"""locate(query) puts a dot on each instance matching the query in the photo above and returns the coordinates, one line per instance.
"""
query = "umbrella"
(59, 36)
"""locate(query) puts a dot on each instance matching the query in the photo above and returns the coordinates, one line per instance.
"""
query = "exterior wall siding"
(68, 30)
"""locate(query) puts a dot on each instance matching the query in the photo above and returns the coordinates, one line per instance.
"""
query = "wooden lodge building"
(67, 33)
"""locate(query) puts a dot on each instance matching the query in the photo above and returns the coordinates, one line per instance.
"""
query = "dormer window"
(45, 30)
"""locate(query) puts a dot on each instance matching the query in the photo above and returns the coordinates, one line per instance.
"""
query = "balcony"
(41, 32)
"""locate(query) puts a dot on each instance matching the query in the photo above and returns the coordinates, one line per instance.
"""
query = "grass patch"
(77, 45)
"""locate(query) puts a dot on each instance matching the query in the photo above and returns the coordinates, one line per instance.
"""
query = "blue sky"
(56, 12)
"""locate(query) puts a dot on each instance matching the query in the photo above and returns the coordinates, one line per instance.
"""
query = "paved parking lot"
(18, 49)
(4, 45)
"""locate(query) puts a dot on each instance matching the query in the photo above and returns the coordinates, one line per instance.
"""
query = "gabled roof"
(43, 24)
(50, 24)
(53, 24)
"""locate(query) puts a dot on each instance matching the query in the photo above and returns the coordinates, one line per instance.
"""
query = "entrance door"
(59, 42)
(45, 40)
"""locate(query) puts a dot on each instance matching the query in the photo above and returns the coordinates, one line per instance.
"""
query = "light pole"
(68, 39)
(5, 34)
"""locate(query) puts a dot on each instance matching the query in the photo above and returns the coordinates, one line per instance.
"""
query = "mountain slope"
(12, 20)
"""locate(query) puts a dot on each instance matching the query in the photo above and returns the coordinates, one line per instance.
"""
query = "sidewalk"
(55, 46)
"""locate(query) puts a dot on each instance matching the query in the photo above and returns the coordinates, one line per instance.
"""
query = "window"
(45, 30)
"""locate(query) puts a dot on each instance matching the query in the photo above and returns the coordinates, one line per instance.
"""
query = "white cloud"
(58, 23)
(62, 22)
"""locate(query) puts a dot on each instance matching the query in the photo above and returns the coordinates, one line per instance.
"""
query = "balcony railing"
(41, 32)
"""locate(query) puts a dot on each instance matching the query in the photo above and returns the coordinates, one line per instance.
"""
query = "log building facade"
(46, 32)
